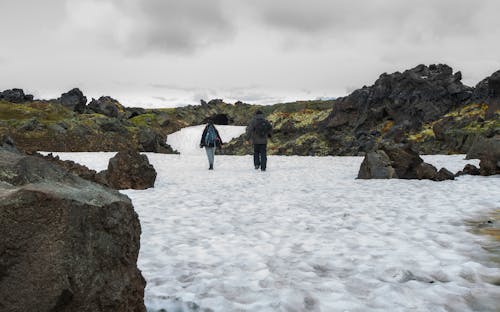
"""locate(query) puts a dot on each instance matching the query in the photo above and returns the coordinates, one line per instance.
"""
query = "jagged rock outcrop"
(15, 96)
(67, 244)
(129, 170)
(400, 162)
(74, 100)
(131, 112)
(75, 168)
(126, 170)
(150, 141)
(415, 96)
(487, 150)
(489, 87)
(107, 106)
(215, 102)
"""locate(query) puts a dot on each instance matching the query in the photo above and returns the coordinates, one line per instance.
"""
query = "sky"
(164, 53)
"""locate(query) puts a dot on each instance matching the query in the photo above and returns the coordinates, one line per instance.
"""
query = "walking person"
(210, 140)
(258, 131)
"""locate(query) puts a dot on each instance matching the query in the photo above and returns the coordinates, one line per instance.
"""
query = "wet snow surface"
(307, 236)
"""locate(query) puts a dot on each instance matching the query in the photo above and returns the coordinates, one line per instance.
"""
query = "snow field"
(307, 236)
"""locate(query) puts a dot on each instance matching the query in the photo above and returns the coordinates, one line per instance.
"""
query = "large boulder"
(390, 161)
(426, 171)
(67, 244)
(488, 151)
(107, 106)
(404, 160)
(74, 100)
(151, 141)
(15, 96)
(129, 170)
(376, 165)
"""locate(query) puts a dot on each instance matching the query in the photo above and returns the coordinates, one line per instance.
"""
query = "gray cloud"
(390, 18)
(171, 26)
(250, 50)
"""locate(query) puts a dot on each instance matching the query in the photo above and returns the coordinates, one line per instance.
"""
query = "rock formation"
(67, 244)
(107, 106)
(15, 96)
(398, 162)
(487, 150)
(415, 96)
(74, 100)
(129, 170)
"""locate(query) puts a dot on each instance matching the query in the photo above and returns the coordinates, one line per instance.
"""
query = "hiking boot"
(257, 167)
(211, 167)
(263, 169)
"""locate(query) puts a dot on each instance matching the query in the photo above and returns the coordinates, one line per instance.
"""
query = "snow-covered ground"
(187, 140)
(307, 236)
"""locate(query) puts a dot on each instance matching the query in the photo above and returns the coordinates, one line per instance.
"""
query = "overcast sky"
(175, 52)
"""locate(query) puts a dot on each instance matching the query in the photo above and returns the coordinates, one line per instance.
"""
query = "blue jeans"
(210, 154)
(259, 155)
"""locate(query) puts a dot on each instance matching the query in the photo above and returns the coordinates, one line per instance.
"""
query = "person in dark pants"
(210, 140)
(258, 131)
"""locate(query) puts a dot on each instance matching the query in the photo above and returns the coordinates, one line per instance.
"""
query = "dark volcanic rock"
(15, 96)
(67, 244)
(74, 100)
(488, 87)
(426, 171)
(73, 167)
(107, 106)
(399, 162)
(444, 174)
(7, 143)
(150, 141)
(131, 112)
(469, 169)
(418, 95)
(404, 160)
(376, 165)
(488, 151)
(485, 148)
(129, 170)
(215, 102)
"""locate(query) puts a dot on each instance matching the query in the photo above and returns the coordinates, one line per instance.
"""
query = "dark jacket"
(218, 140)
(252, 134)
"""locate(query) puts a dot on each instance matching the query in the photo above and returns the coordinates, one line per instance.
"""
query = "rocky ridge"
(427, 106)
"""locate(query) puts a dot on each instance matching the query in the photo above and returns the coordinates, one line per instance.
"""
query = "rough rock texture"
(426, 171)
(400, 163)
(107, 106)
(488, 151)
(129, 170)
(376, 165)
(404, 160)
(468, 169)
(67, 244)
(73, 167)
(415, 96)
(444, 174)
(150, 141)
(488, 87)
(15, 96)
(74, 100)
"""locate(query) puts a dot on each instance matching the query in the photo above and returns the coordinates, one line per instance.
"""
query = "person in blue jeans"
(258, 131)
(210, 140)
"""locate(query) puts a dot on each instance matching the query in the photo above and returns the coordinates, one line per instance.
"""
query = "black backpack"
(262, 127)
